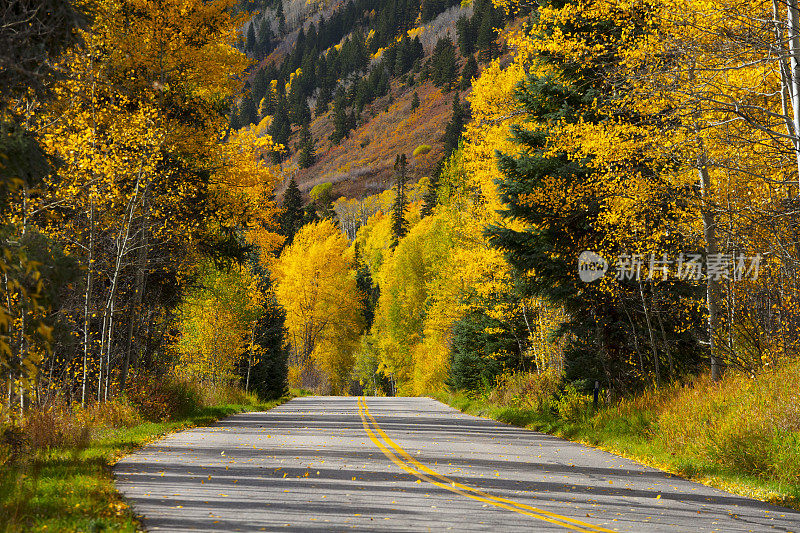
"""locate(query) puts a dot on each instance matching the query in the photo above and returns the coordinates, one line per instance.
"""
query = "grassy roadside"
(71, 488)
(642, 429)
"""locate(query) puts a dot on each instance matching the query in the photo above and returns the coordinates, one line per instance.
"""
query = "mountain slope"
(349, 74)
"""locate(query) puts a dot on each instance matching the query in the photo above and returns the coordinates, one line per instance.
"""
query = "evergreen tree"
(268, 371)
(415, 101)
(263, 40)
(248, 114)
(340, 120)
(307, 155)
(601, 329)
(473, 353)
(466, 40)
(280, 129)
(250, 42)
(292, 216)
(352, 120)
(399, 224)
(279, 14)
(368, 291)
(323, 99)
(485, 41)
(417, 52)
(310, 213)
(469, 71)
(444, 67)
(300, 113)
(425, 72)
(401, 60)
(452, 132)
(431, 197)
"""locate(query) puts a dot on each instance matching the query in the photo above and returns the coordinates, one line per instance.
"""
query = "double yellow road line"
(401, 458)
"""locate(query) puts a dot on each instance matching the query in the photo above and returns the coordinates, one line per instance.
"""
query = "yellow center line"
(425, 473)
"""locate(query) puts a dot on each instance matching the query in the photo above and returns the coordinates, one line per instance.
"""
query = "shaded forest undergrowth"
(56, 464)
(739, 435)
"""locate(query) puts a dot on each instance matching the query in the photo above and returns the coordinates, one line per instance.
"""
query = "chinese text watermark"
(592, 266)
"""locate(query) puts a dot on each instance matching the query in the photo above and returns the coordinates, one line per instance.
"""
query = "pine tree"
(268, 375)
(352, 120)
(401, 60)
(264, 40)
(367, 289)
(601, 327)
(415, 101)
(444, 67)
(307, 155)
(474, 352)
(310, 213)
(485, 41)
(248, 113)
(340, 120)
(323, 99)
(452, 132)
(300, 113)
(466, 40)
(469, 71)
(281, 18)
(280, 129)
(292, 216)
(431, 197)
(417, 52)
(399, 224)
(250, 43)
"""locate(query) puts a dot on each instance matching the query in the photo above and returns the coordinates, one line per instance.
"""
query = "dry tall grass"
(741, 423)
(746, 425)
(62, 426)
(71, 426)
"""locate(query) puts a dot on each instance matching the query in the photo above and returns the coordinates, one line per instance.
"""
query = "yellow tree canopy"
(315, 285)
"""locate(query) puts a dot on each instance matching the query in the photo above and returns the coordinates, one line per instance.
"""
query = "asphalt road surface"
(410, 464)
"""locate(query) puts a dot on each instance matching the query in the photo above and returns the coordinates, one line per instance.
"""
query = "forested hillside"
(344, 87)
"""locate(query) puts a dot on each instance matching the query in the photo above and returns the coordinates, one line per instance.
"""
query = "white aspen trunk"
(536, 358)
(635, 340)
(712, 248)
(711, 243)
(141, 269)
(786, 88)
(667, 351)
(249, 359)
(87, 302)
(123, 239)
(652, 335)
(793, 19)
(109, 338)
(11, 376)
(23, 343)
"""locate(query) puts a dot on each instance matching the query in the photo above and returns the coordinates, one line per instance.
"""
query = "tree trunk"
(123, 239)
(635, 340)
(667, 351)
(87, 303)
(793, 19)
(652, 335)
(141, 270)
(712, 284)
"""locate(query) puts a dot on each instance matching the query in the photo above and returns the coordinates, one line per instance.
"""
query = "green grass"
(634, 432)
(72, 488)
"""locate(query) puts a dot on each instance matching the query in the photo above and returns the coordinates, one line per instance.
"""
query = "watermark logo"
(591, 266)
(735, 267)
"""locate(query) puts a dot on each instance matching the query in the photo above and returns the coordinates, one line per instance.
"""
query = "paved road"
(410, 464)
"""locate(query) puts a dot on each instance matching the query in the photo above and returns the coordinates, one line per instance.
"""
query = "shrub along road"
(414, 464)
